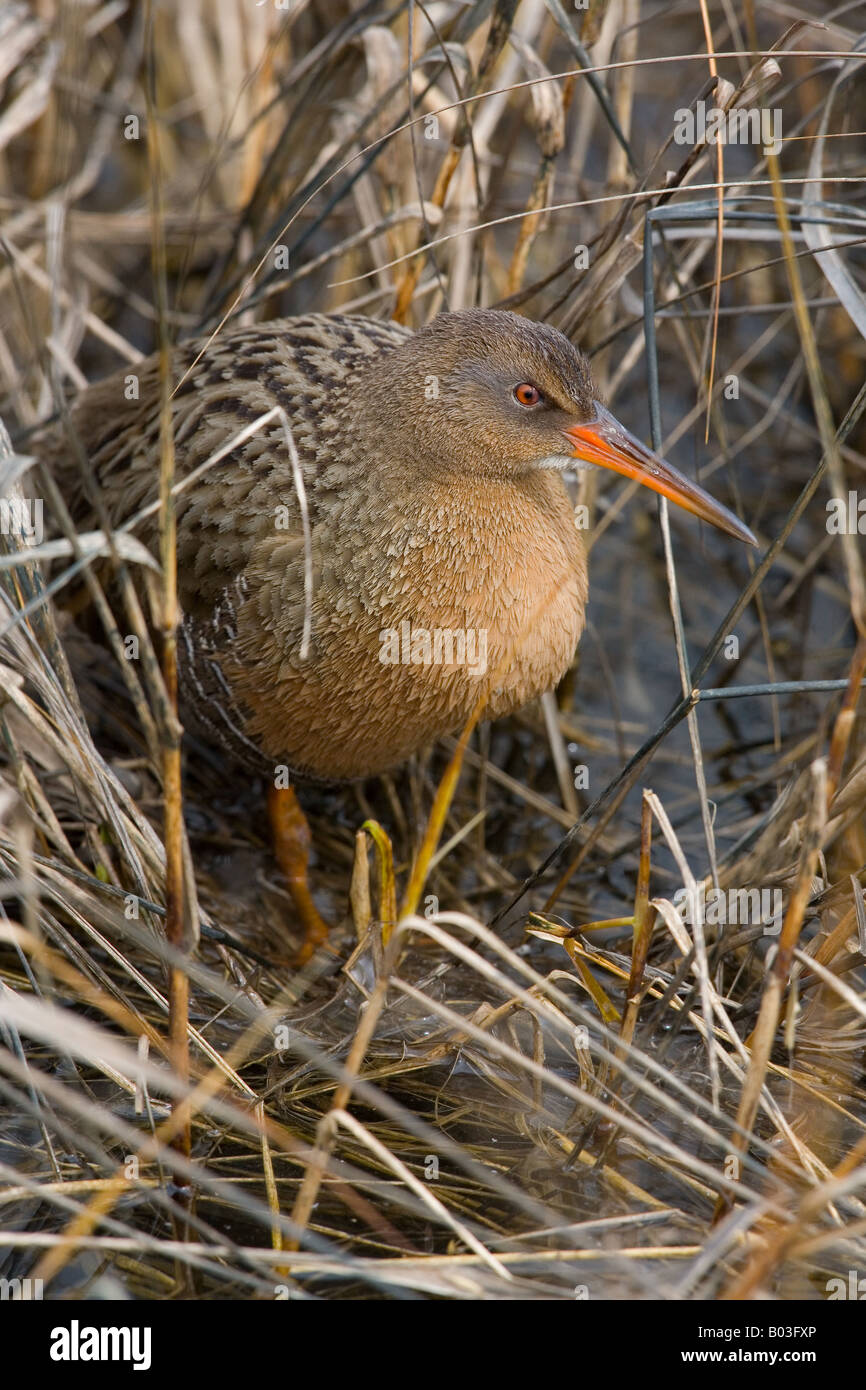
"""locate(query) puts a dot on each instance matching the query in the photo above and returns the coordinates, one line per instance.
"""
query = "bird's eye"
(527, 394)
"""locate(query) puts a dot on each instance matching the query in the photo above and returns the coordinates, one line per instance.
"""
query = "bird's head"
(491, 394)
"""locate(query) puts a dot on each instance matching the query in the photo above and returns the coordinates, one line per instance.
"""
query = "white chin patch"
(563, 463)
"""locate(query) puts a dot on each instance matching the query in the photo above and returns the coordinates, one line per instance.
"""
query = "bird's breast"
(505, 564)
(475, 601)
(462, 600)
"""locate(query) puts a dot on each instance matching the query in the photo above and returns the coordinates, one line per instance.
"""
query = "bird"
(375, 540)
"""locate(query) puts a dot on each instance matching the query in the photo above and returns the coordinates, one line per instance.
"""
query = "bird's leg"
(292, 841)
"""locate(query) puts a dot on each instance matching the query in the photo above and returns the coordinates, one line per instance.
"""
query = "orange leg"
(292, 840)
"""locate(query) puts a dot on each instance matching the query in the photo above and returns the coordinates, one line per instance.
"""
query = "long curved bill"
(603, 440)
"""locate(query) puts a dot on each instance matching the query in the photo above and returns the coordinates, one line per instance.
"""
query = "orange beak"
(603, 440)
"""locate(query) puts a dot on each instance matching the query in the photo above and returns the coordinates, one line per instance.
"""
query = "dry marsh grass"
(538, 1077)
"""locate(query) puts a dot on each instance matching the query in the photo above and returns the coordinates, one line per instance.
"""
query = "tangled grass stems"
(455, 1108)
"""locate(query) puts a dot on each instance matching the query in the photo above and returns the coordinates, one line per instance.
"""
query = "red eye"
(527, 394)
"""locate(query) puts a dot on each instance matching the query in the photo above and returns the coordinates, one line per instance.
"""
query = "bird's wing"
(251, 385)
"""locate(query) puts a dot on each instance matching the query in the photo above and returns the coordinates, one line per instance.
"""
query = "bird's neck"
(474, 546)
